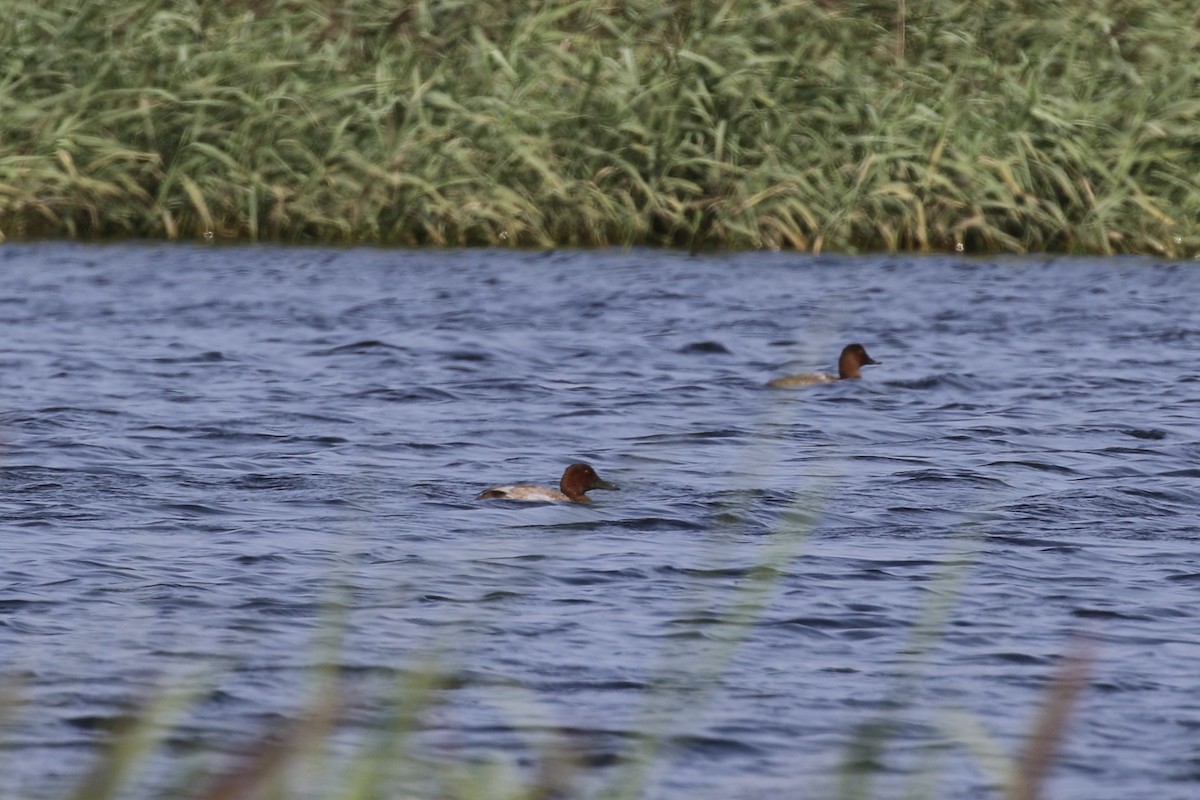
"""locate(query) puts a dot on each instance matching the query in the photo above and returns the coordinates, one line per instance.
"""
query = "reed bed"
(816, 125)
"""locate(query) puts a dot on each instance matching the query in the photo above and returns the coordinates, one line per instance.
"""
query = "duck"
(577, 481)
(853, 358)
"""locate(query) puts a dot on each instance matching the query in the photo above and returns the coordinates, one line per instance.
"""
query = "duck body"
(854, 357)
(803, 379)
(528, 492)
(577, 480)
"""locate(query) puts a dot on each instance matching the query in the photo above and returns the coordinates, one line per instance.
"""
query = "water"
(207, 451)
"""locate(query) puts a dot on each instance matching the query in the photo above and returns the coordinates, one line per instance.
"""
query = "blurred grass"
(808, 124)
(328, 750)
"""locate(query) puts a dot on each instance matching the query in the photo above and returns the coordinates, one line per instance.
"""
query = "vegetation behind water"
(807, 124)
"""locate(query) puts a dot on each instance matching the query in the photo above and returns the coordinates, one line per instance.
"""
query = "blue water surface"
(242, 469)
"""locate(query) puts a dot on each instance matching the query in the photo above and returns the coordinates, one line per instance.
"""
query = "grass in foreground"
(321, 751)
(806, 124)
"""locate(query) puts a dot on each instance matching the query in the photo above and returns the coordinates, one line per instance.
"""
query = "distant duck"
(577, 480)
(853, 358)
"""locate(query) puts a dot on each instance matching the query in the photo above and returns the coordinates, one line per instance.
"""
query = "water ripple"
(205, 465)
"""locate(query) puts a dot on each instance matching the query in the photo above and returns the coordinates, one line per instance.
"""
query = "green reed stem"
(743, 124)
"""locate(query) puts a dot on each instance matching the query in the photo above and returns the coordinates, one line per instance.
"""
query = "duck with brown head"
(577, 481)
(853, 358)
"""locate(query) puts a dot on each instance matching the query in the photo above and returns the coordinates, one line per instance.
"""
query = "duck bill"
(603, 484)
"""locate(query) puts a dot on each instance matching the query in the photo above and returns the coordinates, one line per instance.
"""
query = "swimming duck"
(854, 356)
(577, 480)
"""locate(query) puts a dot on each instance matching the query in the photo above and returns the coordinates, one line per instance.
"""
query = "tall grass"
(807, 124)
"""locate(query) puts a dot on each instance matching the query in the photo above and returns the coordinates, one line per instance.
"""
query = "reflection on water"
(203, 446)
